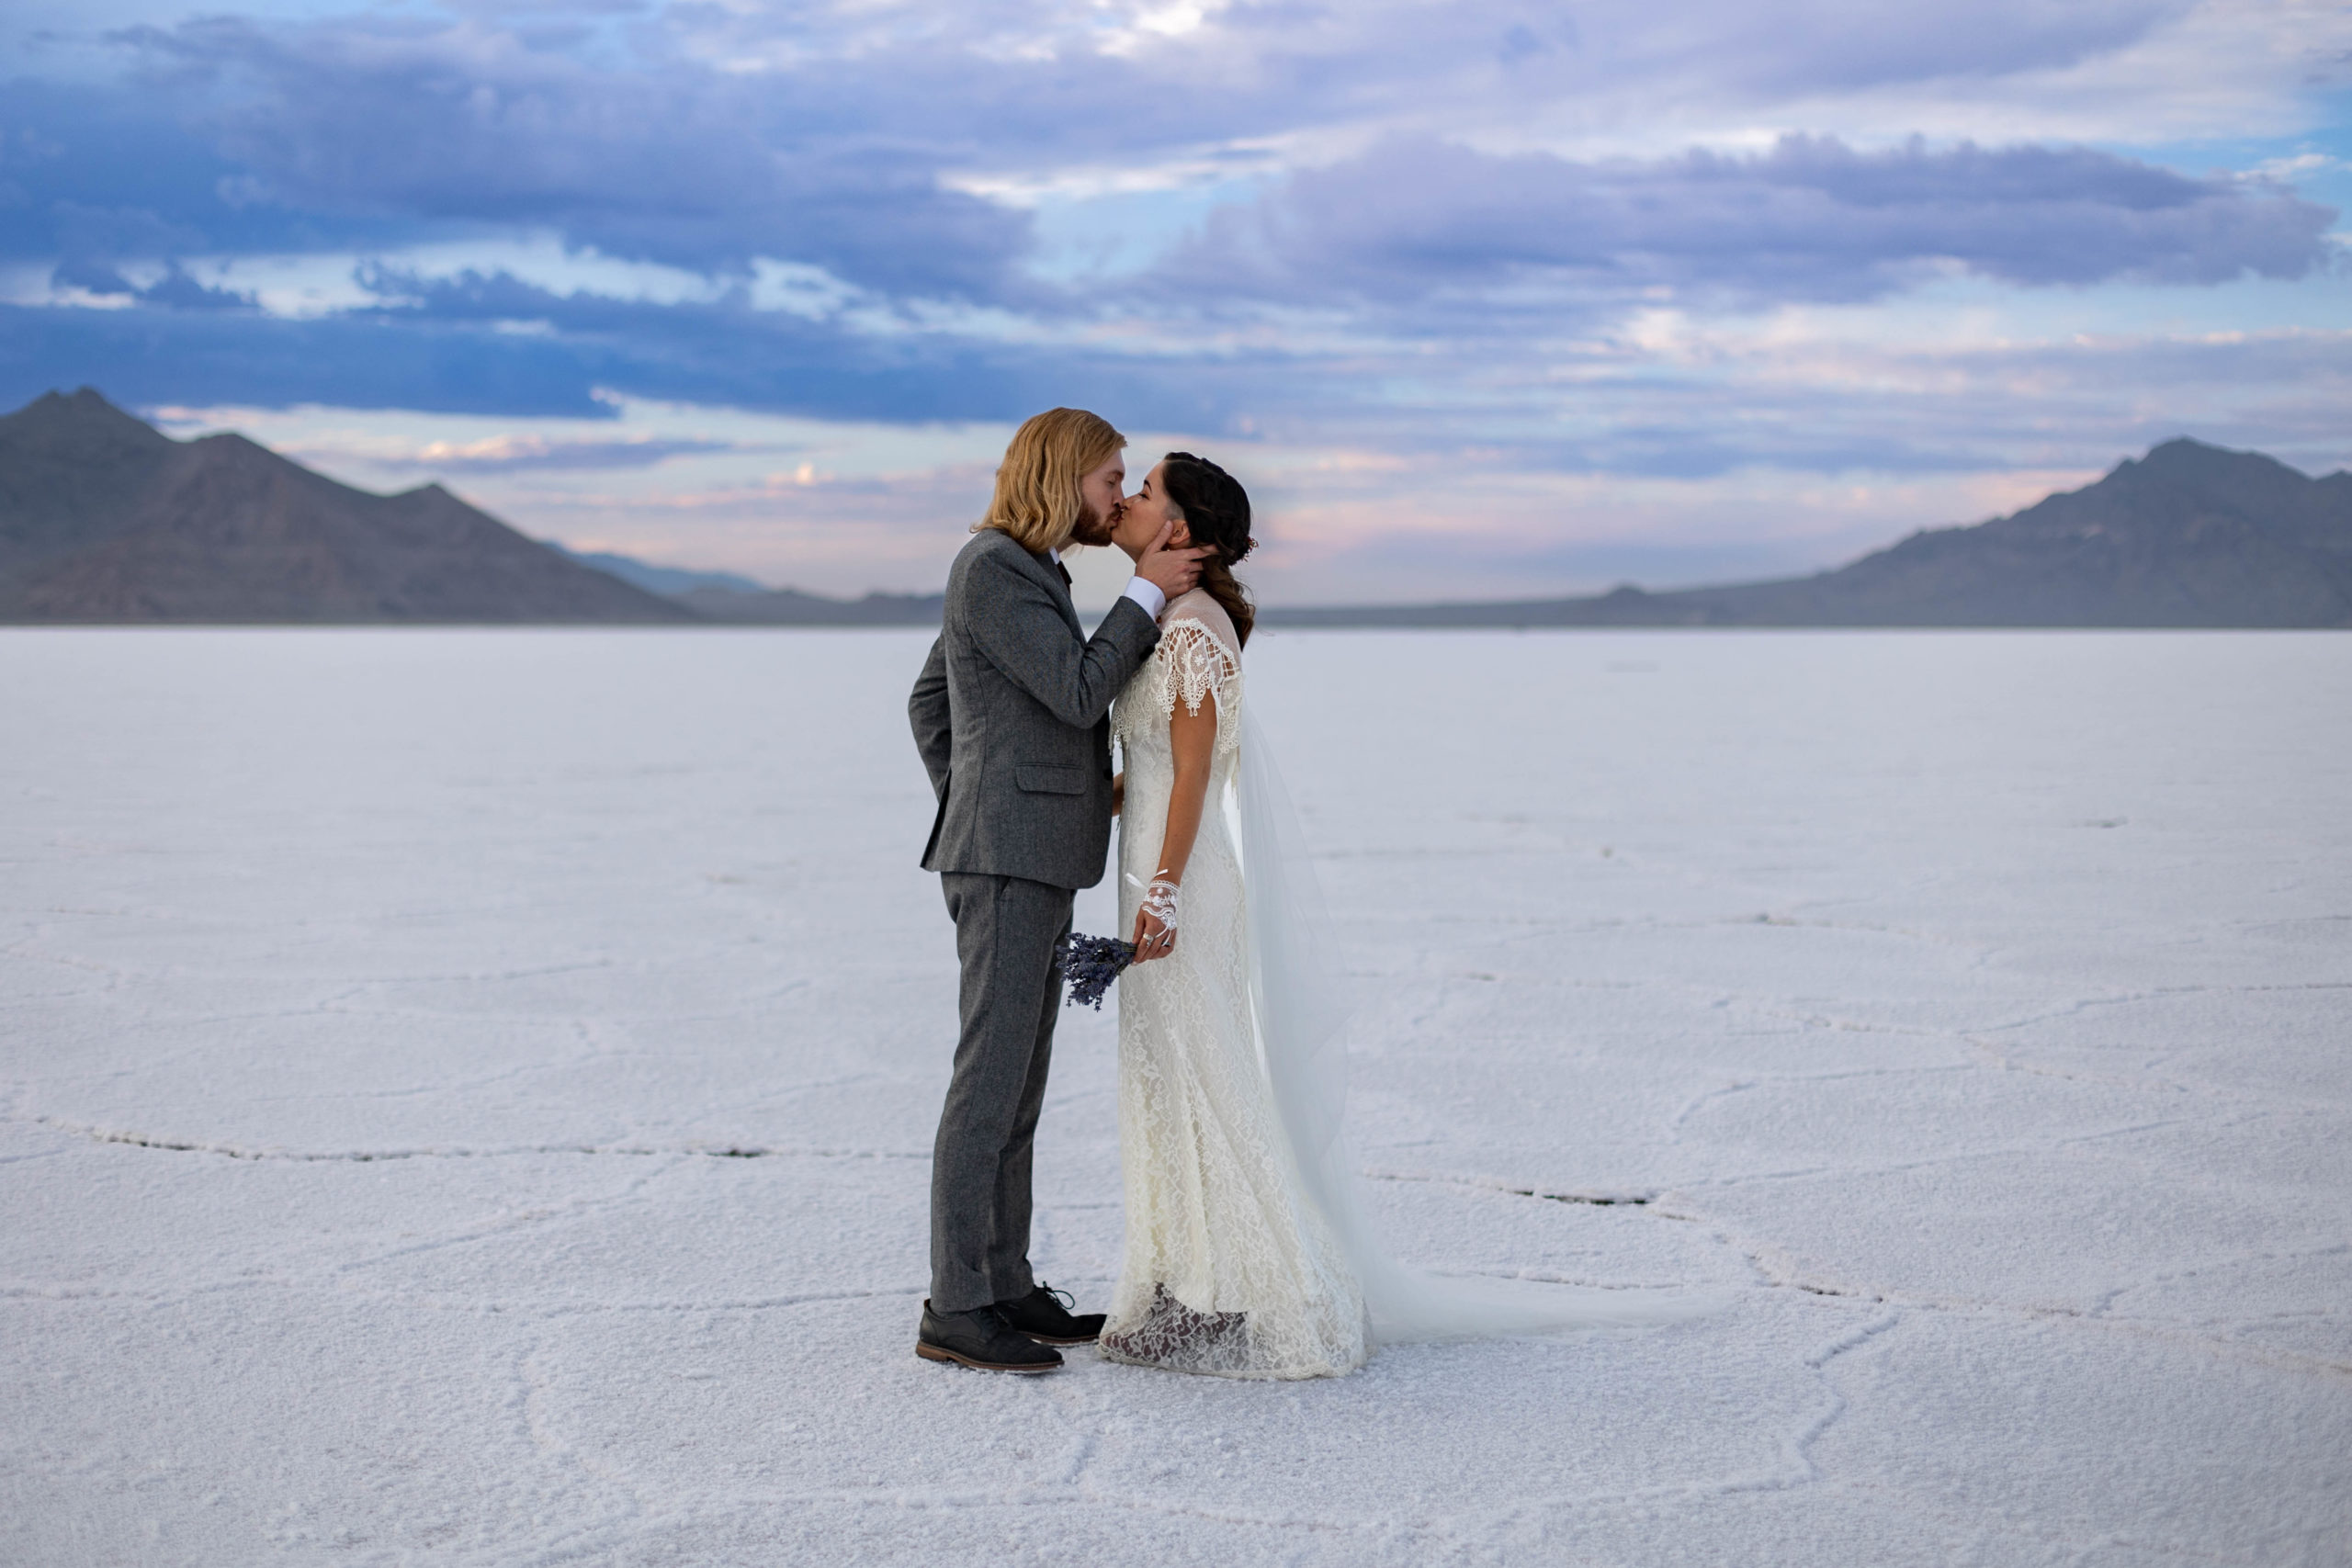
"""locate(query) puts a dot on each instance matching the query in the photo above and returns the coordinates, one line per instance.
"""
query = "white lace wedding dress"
(1230, 1267)
(1247, 1250)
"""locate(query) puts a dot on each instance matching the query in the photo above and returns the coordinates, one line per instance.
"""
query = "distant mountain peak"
(103, 518)
(83, 414)
(225, 443)
(88, 399)
(2190, 534)
(2183, 459)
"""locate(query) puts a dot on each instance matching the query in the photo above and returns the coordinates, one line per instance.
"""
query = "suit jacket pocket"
(1050, 780)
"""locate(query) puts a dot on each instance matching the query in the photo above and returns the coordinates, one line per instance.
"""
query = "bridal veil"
(1302, 1013)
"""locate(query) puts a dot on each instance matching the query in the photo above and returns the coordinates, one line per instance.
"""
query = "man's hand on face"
(1171, 571)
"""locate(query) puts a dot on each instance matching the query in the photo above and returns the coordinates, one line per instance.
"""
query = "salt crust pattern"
(1227, 1268)
(466, 1097)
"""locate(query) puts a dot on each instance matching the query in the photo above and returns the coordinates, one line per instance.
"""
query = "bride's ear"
(1179, 536)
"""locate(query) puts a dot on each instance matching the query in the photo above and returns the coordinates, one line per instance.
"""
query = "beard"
(1092, 527)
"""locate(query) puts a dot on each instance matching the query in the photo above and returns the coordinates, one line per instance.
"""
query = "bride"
(1248, 1252)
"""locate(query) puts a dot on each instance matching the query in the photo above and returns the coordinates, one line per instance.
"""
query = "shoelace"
(982, 1316)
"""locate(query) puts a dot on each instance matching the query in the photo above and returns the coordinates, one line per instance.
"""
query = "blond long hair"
(1036, 499)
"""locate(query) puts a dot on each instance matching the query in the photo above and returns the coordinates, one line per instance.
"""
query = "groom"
(1011, 715)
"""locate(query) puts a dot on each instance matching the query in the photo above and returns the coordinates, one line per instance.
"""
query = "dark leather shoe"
(1044, 1316)
(980, 1338)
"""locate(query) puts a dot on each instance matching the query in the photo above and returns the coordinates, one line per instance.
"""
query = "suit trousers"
(1005, 931)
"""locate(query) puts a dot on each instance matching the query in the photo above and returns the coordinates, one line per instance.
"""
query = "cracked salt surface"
(467, 1097)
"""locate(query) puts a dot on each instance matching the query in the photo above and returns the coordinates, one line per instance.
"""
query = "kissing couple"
(1247, 1250)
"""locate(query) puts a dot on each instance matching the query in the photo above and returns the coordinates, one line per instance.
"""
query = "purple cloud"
(175, 290)
(676, 164)
(1415, 219)
(1416, 296)
(508, 455)
(704, 137)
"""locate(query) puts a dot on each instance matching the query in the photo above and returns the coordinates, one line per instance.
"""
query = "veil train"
(1300, 1012)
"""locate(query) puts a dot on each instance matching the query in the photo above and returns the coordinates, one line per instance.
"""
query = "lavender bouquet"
(1089, 964)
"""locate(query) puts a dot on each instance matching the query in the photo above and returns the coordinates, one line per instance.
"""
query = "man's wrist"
(1147, 595)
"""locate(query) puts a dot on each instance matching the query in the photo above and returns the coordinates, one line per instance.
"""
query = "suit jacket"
(1012, 715)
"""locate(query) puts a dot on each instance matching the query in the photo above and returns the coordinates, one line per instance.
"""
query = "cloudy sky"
(1480, 299)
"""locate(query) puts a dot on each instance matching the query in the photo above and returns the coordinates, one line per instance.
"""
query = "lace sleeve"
(1192, 663)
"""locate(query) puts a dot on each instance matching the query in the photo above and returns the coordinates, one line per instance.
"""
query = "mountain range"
(668, 580)
(105, 519)
(732, 599)
(2189, 535)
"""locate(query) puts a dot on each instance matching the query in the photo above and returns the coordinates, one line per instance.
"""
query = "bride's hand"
(1151, 940)
(1155, 916)
(1118, 793)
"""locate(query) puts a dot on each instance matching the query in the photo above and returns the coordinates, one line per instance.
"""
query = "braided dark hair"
(1216, 513)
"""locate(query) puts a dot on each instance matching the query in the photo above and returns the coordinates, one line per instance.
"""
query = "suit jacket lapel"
(1044, 567)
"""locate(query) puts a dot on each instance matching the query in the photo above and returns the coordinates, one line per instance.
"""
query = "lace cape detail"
(1197, 655)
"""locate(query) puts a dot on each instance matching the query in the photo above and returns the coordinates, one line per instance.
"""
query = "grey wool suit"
(1011, 713)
